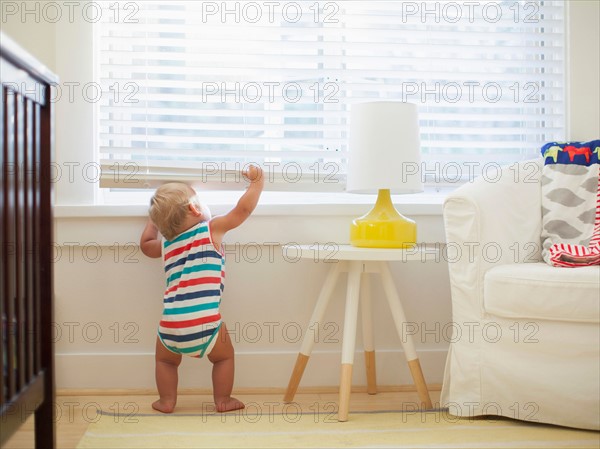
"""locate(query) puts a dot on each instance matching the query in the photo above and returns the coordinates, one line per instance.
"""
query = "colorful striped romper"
(195, 273)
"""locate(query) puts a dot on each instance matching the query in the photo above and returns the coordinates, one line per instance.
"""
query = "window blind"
(193, 87)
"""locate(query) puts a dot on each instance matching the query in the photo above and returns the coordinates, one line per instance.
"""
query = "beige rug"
(244, 429)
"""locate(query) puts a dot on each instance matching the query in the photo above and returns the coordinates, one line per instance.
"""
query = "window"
(211, 86)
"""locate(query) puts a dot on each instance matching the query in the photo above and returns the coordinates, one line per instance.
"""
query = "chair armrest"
(496, 219)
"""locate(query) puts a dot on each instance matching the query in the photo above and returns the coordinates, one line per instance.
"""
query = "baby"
(195, 270)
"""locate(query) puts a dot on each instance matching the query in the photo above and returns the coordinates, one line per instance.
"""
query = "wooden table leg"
(419, 379)
(367, 330)
(349, 338)
(315, 322)
(407, 343)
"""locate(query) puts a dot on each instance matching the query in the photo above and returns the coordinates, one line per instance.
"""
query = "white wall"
(60, 35)
(584, 70)
(108, 296)
(36, 35)
(266, 302)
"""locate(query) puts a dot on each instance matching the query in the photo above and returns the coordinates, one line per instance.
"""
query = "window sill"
(301, 218)
(272, 204)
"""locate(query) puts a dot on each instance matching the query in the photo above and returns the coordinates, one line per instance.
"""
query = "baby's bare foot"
(228, 404)
(163, 407)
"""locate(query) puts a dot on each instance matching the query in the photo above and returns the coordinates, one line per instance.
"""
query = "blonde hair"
(169, 207)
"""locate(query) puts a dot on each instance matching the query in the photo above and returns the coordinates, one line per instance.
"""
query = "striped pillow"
(571, 204)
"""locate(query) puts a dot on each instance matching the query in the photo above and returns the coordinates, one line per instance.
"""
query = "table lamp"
(384, 158)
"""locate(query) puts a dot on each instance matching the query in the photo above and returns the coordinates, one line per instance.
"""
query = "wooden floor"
(75, 410)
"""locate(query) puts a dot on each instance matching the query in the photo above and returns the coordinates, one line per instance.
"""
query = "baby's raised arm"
(244, 207)
(149, 242)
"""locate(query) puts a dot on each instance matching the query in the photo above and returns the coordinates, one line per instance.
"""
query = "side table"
(358, 263)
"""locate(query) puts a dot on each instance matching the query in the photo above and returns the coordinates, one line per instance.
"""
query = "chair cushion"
(540, 291)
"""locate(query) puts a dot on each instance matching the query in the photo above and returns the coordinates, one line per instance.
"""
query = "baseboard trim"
(241, 391)
(258, 371)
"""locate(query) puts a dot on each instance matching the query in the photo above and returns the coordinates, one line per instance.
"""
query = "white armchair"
(526, 340)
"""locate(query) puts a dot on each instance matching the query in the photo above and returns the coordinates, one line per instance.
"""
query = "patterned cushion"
(570, 203)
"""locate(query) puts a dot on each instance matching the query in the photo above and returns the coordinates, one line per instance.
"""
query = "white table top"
(331, 252)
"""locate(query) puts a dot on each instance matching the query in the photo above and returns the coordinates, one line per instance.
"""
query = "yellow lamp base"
(383, 226)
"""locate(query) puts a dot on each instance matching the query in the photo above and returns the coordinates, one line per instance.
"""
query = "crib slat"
(28, 185)
(37, 224)
(10, 239)
(45, 434)
(19, 239)
(3, 256)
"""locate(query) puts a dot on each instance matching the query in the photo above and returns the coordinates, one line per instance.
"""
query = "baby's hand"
(253, 173)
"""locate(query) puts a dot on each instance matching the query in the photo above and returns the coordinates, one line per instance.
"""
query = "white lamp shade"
(385, 150)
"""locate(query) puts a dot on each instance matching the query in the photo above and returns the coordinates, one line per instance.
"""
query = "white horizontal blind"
(193, 85)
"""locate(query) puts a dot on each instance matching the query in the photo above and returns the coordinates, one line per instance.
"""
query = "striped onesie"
(195, 272)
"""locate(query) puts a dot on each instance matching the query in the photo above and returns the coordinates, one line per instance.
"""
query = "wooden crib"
(26, 305)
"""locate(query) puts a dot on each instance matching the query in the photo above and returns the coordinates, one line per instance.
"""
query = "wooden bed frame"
(26, 305)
